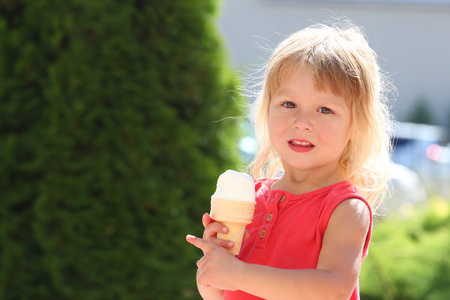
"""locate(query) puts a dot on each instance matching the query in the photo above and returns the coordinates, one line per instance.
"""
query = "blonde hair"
(343, 63)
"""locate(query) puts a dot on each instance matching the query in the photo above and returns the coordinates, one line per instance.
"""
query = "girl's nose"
(303, 121)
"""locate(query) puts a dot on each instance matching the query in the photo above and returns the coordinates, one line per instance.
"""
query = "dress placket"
(273, 204)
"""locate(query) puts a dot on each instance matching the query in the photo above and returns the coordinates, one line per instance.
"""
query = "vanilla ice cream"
(233, 185)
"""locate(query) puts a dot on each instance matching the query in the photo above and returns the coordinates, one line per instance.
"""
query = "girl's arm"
(210, 234)
(335, 277)
(208, 292)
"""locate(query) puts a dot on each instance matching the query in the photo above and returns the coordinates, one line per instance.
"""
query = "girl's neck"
(299, 183)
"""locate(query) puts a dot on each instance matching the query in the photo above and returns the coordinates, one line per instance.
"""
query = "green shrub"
(110, 145)
(409, 257)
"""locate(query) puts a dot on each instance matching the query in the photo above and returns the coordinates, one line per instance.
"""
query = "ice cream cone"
(236, 215)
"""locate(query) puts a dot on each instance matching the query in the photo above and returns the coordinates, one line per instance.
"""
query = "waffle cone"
(236, 215)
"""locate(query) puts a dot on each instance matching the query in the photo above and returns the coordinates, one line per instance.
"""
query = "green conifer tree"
(110, 145)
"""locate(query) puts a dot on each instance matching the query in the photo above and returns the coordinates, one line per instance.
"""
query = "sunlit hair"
(343, 63)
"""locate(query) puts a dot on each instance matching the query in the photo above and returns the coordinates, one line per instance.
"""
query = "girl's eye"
(325, 110)
(289, 105)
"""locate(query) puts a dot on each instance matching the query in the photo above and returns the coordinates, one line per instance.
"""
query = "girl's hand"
(212, 228)
(218, 268)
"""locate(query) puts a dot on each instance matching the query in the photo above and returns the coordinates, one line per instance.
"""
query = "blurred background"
(411, 39)
(117, 117)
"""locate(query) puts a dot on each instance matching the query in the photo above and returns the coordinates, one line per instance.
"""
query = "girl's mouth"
(300, 145)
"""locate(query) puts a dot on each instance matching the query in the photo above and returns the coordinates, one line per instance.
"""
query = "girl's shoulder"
(344, 190)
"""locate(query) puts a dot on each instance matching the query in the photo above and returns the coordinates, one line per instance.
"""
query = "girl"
(322, 123)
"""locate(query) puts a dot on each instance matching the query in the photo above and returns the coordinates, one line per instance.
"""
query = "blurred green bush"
(409, 256)
(110, 145)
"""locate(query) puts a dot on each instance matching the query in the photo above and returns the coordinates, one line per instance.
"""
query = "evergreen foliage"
(409, 256)
(109, 145)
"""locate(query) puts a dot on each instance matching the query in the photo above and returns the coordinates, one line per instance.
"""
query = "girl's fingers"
(212, 229)
(206, 219)
(202, 244)
(224, 243)
(210, 234)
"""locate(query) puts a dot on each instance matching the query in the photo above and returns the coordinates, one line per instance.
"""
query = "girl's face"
(308, 128)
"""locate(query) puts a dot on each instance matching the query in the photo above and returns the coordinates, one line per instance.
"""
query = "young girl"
(322, 123)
